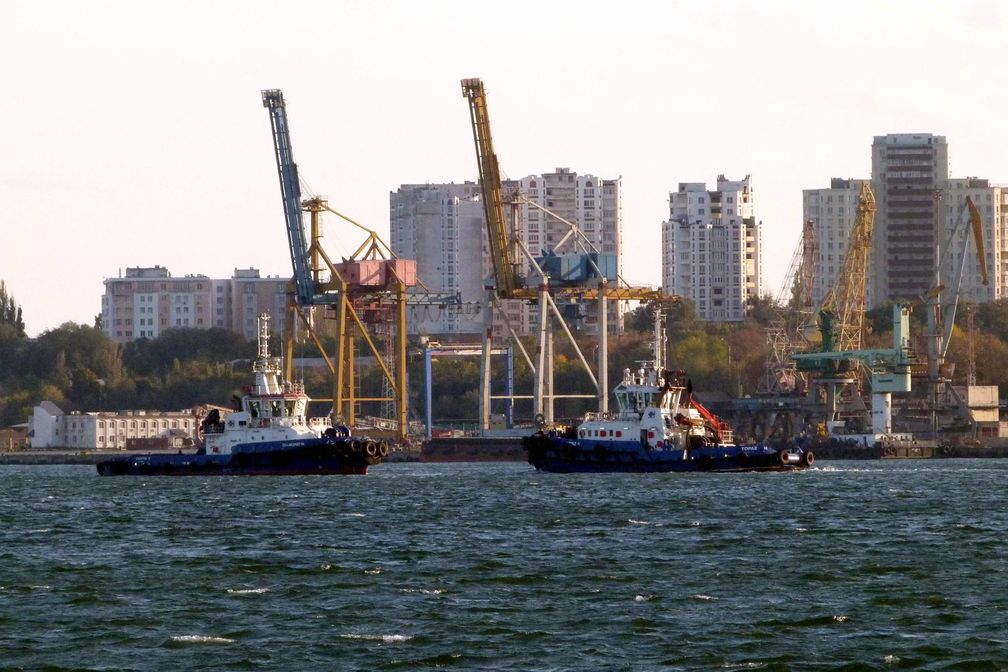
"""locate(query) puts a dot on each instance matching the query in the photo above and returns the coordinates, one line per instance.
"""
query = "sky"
(134, 132)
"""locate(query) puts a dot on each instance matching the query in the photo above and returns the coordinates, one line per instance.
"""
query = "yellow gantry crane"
(846, 300)
(841, 315)
(510, 284)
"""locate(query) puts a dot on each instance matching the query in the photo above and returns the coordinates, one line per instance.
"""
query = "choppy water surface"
(895, 565)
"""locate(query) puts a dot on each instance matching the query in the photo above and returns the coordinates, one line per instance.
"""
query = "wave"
(247, 591)
(200, 639)
(424, 591)
(384, 639)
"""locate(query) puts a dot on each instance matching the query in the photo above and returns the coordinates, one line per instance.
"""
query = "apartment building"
(921, 220)
(909, 173)
(443, 227)
(832, 212)
(959, 261)
(147, 301)
(711, 248)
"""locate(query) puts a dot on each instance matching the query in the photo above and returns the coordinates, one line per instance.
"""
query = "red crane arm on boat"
(716, 423)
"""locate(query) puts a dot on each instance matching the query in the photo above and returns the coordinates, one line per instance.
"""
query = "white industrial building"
(50, 427)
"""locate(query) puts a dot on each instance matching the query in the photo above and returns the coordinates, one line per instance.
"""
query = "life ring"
(783, 456)
(808, 458)
(371, 448)
(383, 449)
(356, 446)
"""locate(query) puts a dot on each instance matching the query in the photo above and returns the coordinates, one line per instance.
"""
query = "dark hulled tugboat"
(658, 427)
(269, 434)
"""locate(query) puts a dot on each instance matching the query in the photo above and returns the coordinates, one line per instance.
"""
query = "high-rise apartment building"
(921, 220)
(443, 227)
(711, 248)
(959, 251)
(595, 205)
(148, 301)
(909, 172)
(832, 212)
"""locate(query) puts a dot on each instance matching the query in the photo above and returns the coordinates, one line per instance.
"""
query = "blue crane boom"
(290, 189)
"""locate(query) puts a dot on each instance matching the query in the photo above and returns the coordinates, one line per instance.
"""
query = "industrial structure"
(795, 305)
(570, 271)
(365, 296)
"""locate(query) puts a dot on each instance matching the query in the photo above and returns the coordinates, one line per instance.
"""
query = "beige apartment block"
(147, 301)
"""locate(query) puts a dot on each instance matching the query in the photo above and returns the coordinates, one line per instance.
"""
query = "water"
(874, 565)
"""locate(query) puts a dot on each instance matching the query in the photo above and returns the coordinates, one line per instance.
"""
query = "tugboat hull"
(288, 458)
(562, 455)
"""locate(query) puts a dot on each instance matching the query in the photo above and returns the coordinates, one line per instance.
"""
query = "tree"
(10, 311)
(992, 318)
(762, 310)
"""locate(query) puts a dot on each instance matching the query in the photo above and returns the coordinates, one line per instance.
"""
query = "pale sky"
(133, 132)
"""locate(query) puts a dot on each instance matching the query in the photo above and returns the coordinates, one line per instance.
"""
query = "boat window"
(254, 408)
(621, 400)
(290, 408)
(275, 408)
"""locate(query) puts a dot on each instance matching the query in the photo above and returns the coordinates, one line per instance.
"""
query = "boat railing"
(595, 416)
(293, 387)
(324, 421)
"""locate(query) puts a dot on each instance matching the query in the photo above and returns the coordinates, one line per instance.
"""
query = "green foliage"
(762, 311)
(78, 368)
(10, 311)
(155, 356)
(991, 318)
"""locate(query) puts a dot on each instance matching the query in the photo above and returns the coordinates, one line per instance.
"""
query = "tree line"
(80, 369)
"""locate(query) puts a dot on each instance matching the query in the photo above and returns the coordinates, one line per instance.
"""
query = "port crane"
(841, 315)
(939, 326)
(542, 286)
(365, 295)
(786, 331)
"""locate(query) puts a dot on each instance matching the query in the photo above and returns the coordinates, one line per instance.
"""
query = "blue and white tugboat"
(659, 427)
(268, 434)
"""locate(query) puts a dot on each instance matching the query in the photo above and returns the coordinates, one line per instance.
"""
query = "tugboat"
(267, 434)
(659, 427)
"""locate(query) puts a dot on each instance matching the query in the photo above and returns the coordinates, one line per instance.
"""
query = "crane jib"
(290, 190)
